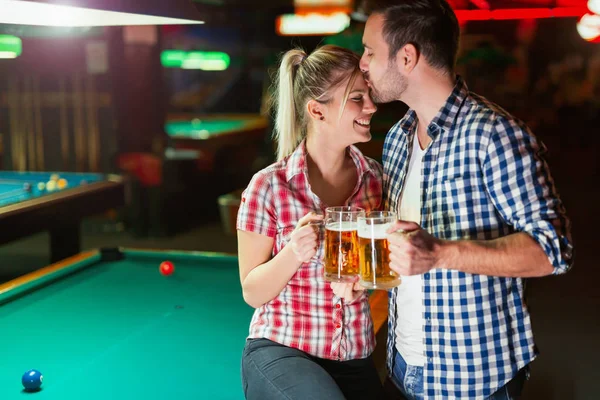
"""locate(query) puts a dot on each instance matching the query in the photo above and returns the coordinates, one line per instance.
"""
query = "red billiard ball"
(167, 268)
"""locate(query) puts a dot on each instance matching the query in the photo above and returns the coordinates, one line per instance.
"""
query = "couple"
(474, 194)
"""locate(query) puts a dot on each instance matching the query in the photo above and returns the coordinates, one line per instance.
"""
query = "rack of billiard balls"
(54, 183)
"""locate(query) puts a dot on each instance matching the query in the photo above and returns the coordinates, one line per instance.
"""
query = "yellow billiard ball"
(62, 183)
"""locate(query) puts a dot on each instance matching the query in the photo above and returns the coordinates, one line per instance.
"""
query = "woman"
(308, 339)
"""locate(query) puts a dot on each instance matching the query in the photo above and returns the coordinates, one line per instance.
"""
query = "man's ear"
(407, 58)
(315, 110)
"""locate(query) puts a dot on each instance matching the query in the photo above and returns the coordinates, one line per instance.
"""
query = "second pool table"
(222, 140)
(27, 206)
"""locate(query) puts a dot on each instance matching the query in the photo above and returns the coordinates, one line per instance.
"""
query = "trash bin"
(228, 208)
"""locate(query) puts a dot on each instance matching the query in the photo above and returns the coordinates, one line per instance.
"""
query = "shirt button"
(428, 321)
(338, 326)
(338, 306)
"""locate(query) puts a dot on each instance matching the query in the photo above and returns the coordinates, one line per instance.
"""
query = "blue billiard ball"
(32, 380)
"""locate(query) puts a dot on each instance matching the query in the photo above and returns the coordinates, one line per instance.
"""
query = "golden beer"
(374, 251)
(341, 244)
(341, 252)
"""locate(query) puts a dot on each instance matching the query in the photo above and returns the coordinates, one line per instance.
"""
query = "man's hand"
(413, 251)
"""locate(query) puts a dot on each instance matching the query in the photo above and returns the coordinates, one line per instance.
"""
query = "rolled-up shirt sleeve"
(257, 212)
(519, 183)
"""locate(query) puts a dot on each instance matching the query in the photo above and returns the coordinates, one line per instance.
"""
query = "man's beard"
(389, 88)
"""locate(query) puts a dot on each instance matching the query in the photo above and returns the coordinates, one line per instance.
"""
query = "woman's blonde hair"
(302, 78)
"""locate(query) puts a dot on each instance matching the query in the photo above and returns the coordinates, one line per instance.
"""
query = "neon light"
(594, 6)
(203, 60)
(483, 4)
(322, 3)
(7, 54)
(10, 46)
(519, 13)
(311, 24)
(588, 27)
(42, 14)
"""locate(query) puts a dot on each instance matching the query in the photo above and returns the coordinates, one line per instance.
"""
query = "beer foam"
(343, 226)
(373, 231)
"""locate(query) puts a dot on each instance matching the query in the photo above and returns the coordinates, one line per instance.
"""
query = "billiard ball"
(166, 268)
(50, 185)
(54, 177)
(62, 183)
(32, 380)
(27, 187)
(41, 186)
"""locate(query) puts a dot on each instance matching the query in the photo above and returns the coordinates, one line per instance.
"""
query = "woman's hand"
(350, 292)
(303, 239)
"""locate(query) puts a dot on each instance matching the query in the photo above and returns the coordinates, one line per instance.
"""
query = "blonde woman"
(309, 339)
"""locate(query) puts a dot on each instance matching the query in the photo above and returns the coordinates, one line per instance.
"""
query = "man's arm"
(516, 255)
(414, 251)
(518, 182)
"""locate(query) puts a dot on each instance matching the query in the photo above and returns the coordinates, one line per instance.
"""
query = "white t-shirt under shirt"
(409, 301)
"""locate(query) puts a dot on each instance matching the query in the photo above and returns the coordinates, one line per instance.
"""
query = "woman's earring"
(322, 118)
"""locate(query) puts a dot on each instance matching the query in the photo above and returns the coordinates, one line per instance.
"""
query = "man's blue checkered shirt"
(483, 178)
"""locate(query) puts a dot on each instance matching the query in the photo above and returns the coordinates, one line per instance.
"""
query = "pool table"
(233, 137)
(27, 206)
(106, 324)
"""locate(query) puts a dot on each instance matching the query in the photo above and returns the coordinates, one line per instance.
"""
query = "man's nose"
(363, 65)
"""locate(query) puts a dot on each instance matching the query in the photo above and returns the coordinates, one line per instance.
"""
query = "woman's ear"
(315, 110)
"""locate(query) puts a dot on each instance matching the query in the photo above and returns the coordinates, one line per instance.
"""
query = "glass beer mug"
(341, 244)
(374, 253)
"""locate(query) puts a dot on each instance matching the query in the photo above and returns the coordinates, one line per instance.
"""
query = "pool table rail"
(16, 287)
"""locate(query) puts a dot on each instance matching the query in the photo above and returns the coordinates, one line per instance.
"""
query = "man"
(478, 213)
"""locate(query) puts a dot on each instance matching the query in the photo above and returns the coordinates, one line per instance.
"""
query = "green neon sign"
(203, 60)
(10, 46)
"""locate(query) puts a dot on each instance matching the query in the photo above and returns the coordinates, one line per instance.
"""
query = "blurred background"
(178, 113)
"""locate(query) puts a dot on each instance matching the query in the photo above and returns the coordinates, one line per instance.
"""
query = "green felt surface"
(121, 330)
(203, 129)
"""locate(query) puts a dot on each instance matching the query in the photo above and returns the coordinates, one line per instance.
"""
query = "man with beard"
(478, 213)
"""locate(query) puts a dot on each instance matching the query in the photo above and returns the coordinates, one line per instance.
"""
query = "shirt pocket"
(454, 214)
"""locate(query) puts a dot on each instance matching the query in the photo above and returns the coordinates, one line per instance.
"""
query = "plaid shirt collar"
(297, 164)
(446, 117)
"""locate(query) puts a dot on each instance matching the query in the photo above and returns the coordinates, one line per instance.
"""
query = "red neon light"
(519, 13)
(523, 13)
(473, 15)
(482, 4)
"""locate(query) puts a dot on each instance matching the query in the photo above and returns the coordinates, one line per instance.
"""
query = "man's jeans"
(409, 380)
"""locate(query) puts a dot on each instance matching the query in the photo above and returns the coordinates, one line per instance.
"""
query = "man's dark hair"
(429, 25)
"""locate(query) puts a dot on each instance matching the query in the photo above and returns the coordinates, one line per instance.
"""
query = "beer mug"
(341, 244)
(374, 252)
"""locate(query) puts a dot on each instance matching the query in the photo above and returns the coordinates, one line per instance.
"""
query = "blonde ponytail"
(288, 131)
